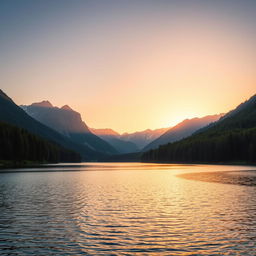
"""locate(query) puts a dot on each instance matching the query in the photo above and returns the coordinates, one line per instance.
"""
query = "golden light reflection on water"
(129, 209)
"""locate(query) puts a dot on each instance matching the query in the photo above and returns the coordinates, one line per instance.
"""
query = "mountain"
(182, 130)
(113, 138)
(17, 146)
(12, 114)
(69, 123)
(231, 139)
(129, 142)
(143, 138)
(104, 132)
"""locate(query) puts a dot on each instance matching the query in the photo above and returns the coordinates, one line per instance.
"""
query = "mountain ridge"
(143, 138)
(12, 114)
(113, 138)
(183, 129)
(69, 123)
(231, 139)
(128, 142)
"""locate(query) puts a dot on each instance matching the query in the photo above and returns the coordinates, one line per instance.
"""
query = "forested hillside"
(17, 144)
(69, 123)
(232, 139)
(238, 145)
(182, 130)
(12, 114)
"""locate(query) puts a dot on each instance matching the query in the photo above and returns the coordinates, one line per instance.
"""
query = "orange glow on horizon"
(138, 67)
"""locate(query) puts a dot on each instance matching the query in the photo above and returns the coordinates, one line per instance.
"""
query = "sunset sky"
(129, 65)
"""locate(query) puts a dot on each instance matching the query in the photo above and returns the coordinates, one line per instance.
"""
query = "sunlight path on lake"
(126, 209)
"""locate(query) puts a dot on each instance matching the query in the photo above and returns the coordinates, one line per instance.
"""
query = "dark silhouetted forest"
(17, 144)
(232, 139)
(12, 114)
(228, 146)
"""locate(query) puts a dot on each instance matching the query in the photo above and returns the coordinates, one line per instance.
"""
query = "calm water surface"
(128, 209)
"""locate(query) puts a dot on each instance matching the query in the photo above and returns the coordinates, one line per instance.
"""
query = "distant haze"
(130, 65)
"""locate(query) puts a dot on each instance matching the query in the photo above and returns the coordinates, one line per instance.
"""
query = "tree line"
(237, 145)
(17, 144)
(231, 139)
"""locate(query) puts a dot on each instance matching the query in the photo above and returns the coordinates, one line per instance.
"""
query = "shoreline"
(30, 164)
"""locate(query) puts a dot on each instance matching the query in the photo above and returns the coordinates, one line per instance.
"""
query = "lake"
(128, 209)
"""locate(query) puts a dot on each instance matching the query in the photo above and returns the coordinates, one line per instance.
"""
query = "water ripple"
(128, 209)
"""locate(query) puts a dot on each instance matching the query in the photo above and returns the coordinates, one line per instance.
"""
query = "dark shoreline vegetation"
(231, 139)
(216, 147)
(12, 114)
(25, 141)
(5, 164)
(18, 147)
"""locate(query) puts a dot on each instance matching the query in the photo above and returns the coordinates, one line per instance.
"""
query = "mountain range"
(12, 114)
(129, 142)
(182, 130)
(143, 138)
(231, 139)
(43, 132)
(114, 139)
(69, 123)
(150, 139)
